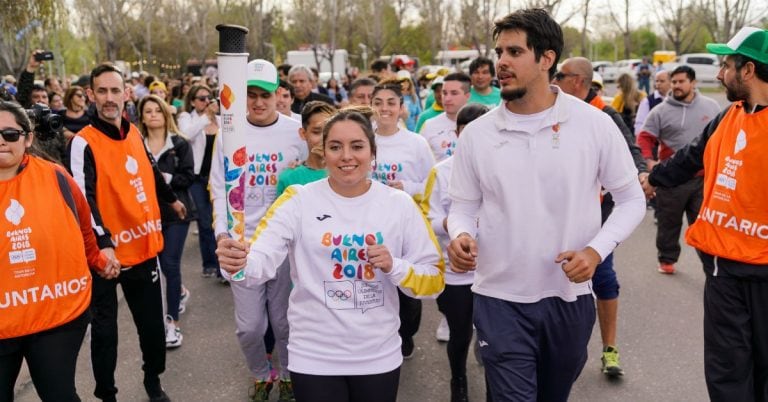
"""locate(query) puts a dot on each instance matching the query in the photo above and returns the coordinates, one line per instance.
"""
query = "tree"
(678, 22)
(475, 24)
(623, 26)
(723, 18)
(19, 24)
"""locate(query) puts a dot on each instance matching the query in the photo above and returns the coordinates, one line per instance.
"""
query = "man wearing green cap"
(272, 141)
(731, 231)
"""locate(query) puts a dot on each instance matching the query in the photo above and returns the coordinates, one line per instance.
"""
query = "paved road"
(660, 339)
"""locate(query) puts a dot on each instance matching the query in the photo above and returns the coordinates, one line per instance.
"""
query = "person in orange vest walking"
(45, 287)
(122, 184)
(731, 230)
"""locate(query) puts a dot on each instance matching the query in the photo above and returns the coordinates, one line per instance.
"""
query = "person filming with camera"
(45, 288)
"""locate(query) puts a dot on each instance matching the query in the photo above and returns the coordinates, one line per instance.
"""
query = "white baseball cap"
(263, 74)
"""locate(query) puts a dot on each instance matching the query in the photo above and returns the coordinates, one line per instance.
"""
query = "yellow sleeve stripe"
(287, 195)
(427, 285)
(428, 188)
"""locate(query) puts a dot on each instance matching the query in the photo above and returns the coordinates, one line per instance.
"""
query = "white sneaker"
(443, 333)
(173, 335)
(184, 299)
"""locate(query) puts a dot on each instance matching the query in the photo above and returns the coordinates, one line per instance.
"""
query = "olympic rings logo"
(339, 294)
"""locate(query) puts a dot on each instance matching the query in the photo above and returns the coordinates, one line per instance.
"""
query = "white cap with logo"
(263, 74)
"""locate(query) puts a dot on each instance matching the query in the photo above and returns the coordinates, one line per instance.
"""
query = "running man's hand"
(579, 266)
(648, 189)
(232, 254)
(462, 252)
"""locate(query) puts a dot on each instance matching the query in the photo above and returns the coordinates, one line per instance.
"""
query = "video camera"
(47, 124)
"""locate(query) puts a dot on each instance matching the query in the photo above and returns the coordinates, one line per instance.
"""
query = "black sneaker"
(407, 348)
(155, 390)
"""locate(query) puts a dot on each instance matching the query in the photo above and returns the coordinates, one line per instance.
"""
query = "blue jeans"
(207, 238)
(174, 236)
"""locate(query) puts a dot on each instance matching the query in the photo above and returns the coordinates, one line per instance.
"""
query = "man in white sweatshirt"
(272, 142)
(532, 171)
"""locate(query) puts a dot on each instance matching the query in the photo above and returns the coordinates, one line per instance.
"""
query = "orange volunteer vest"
(733, 220)
(125, 192)
(44, 276)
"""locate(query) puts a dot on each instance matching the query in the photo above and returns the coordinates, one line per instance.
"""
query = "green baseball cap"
(749, 41)
(263, 74)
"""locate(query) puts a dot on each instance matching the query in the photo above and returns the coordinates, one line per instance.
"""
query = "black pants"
(736, 339)
(456, 304)
(51, 357)
(410, 315)
(141, 287)
(671, 204)
(350, 388)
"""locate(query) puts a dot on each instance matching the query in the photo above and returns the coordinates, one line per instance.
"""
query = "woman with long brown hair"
(627, 99)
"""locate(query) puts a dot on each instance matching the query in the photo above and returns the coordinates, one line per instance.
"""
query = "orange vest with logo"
(44, 276)
(125, 192)
(733, 220)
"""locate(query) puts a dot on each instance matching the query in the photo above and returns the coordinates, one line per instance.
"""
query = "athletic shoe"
(223, 281)
(184, 299)
(610, 361)
(259, 392)
(155, 390)
(209, 272)
(407, 348)
(286, 391)
(173, 335)
(443, 333)
(666, 268)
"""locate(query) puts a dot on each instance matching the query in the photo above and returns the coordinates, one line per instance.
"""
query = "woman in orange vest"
(45, 284)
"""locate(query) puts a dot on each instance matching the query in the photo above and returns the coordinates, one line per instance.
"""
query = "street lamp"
(364, 55)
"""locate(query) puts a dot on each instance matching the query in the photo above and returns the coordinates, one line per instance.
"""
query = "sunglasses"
(559, 76)
(12, 135)
(204, 98)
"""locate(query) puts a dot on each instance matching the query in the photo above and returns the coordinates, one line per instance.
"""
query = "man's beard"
(736, 91)
(513, 94)
(681, 97)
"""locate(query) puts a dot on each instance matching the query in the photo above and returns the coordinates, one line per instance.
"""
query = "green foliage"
(644, 42)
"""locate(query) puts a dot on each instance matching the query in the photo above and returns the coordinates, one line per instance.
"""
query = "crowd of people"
(501, 192)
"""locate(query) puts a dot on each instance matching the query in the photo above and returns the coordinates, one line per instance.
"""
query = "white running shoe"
(184, 299)
(173, 335)
(443, 333)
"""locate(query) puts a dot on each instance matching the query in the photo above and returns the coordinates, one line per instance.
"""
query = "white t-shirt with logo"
(343, 313)
(403, 156)
(440, 133)
(268, 150)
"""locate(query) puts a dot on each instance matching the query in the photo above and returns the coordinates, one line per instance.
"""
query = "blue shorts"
(533, 351)
(604, 282)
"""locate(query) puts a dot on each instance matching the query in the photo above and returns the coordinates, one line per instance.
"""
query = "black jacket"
(299, 104)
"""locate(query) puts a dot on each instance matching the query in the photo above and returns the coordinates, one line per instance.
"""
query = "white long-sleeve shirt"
(403, 156)
(192, 125)
(440, 133)
(269, 150)
(535, 181)
(436, 204)
(343, 313)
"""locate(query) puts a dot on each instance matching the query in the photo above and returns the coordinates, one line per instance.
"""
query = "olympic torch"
(233, 62)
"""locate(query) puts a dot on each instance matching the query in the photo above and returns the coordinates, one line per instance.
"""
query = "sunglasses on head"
(11, 134)
(203, 98)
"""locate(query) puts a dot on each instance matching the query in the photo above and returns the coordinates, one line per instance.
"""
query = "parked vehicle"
(611, 73)
(706, 65)
(307, 58)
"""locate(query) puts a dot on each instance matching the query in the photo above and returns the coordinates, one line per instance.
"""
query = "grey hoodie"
(676, 123)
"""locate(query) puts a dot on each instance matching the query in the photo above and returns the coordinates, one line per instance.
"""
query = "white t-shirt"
(536, 194)
(403, 156)
(436, 204)
(192, 125)
(440, 133)
(343, 313)
(269, 150)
